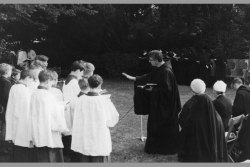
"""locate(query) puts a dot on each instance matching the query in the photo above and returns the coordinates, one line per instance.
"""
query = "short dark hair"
(45, 75)
(95, 80)
(237, 81)
(83, 84)
(156, 55)
(77, 65)
(26, 73)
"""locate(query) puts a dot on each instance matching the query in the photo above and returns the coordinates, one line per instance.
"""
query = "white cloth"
(18, 115)
(198, 86)
(33, 85)
(70, 92)
(57, 93)
(21, 57)
(47, 119)
(220, 86)
(92, 119)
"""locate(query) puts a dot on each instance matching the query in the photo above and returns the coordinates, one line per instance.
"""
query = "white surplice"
(33, 85)
(18, 115)
(57, 93)
(47, 119)
(92, 118)
(70, 92)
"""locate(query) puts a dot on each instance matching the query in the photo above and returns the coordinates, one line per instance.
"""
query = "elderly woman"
(202, 134)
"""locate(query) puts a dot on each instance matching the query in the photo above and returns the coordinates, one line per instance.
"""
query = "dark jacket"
(241, 103)
(5, 86)
(223, 106)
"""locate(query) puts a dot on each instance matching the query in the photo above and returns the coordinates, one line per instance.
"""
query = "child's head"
(95, 81)
(77, 67)
(16, 74)
(41, 60)
(27, 76)
(45, 78)
(89, 70)
(83, 84)
(55, 77)
(5, 69)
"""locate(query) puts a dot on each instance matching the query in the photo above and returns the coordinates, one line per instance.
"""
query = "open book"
(147, 85)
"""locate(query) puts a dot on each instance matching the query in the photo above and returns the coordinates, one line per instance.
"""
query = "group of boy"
(45, 124)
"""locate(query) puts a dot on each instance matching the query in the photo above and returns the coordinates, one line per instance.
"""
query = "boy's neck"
(45, 85)
(97, 90)
(84, 91)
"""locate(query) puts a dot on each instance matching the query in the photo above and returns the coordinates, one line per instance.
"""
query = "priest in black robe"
(164, 106)
(202, 137)
(241, 103)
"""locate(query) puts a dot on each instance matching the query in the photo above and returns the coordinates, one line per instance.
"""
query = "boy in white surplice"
(94, 114)
(48, 122)
(18, 118)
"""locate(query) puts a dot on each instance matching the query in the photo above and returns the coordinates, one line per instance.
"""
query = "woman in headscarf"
(202, 134)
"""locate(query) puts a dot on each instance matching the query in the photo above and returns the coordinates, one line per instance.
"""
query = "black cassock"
(242, 101)
(162, 104)
(202, 137)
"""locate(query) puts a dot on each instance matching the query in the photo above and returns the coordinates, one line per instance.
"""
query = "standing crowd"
(39, 122)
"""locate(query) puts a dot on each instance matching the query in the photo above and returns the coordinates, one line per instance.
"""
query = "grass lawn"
(126, 146)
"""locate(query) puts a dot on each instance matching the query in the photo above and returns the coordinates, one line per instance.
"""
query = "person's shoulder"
(57, 90)
(18, 87)
(5, 81)
(70, 79)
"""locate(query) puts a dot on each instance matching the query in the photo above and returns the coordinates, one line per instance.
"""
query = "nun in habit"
(202, 136)
(222, 104)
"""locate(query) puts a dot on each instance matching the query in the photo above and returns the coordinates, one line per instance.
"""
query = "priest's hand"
(129, 76)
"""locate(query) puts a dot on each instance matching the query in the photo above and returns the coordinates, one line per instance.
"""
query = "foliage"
(66, 32)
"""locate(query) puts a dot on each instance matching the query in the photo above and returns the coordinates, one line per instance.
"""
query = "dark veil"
(202, 135)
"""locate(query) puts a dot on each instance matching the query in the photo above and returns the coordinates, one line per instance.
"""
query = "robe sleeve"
(70, 93)
(185, 113)
(112, 116)
(30, 125)
(9, 116)
(164, 94)
(143, 79)
(5, 94)
(238, 106)
(58, 119)
(219, 108)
